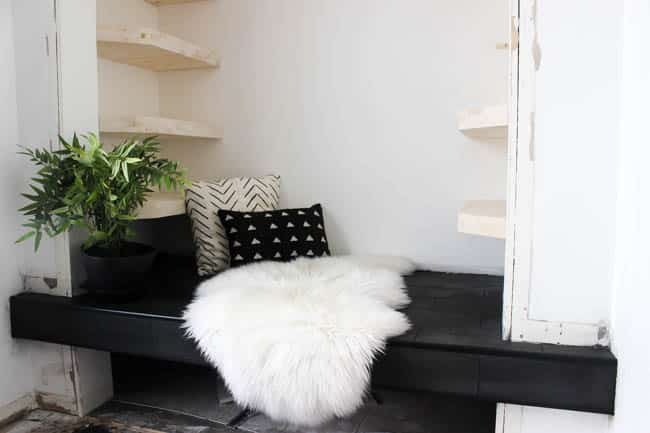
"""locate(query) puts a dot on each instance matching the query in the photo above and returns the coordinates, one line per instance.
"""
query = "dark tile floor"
(147, 391)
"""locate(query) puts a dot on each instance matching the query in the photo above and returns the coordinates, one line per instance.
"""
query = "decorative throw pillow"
(204, 199)
(280, 235)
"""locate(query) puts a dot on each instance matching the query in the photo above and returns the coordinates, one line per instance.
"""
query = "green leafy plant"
(96, 189)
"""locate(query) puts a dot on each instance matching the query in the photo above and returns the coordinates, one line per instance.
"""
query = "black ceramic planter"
(118, 276)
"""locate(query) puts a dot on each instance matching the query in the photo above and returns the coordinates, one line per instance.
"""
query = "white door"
(563, 173)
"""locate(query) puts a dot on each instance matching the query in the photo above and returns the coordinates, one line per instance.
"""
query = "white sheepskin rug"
(297, 340)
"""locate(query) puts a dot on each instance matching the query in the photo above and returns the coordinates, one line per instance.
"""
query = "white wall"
(632, 277)
(126, 90)
(575, 151)
(354, 104)
(16, 380)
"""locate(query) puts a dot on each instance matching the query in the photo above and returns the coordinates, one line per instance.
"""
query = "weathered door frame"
(517, 323)
(74, 58)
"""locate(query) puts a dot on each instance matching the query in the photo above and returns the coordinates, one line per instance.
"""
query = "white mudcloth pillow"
(204, 199)
(297, 340)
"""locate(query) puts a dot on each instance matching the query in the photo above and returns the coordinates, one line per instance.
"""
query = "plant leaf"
(60, 211)
(25, 236)
(37, 240)
(115, 169)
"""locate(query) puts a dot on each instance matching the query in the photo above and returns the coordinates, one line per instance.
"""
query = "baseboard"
(56, 403)
(17, 409)
(20, 407)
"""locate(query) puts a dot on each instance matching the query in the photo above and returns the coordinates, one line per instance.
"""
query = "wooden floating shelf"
(483, 218)
(162, 204)
(170, 2)
(487, 122)
(150, 49)
(159, 126)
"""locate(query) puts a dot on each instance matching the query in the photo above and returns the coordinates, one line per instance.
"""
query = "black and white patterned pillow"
(280, 235)
(204, 199)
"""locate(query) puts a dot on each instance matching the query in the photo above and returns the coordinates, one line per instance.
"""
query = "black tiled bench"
(454, 346)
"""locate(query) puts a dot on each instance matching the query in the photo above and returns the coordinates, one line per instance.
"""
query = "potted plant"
(99, 190)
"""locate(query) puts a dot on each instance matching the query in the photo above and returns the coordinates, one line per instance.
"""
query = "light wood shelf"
(160, 126)
(162, 204)
(483, 218)
(170, 2)
(489, 122)
(151, 49)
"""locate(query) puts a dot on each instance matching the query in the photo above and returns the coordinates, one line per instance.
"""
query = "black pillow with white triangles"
(280, 235)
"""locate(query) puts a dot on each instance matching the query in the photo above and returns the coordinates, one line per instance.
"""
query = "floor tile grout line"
(180, 412)
(357, 428)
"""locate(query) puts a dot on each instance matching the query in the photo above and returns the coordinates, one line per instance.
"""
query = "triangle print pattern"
(281, 235)
(204, 199)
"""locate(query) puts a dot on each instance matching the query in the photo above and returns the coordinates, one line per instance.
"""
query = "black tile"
(173, 345)
(426, 412)
(451, 322)
(491, 305)
(576, 352)
(548, 383)
(479, 343)
(434, 293)
(451, 280)
(429, 304)
(426, 370)
(406, 338)
(60, 321)
(491, 326)
(461, 304)
(493, 291)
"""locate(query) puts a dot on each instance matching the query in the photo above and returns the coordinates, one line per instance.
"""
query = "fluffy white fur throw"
(296, 340)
